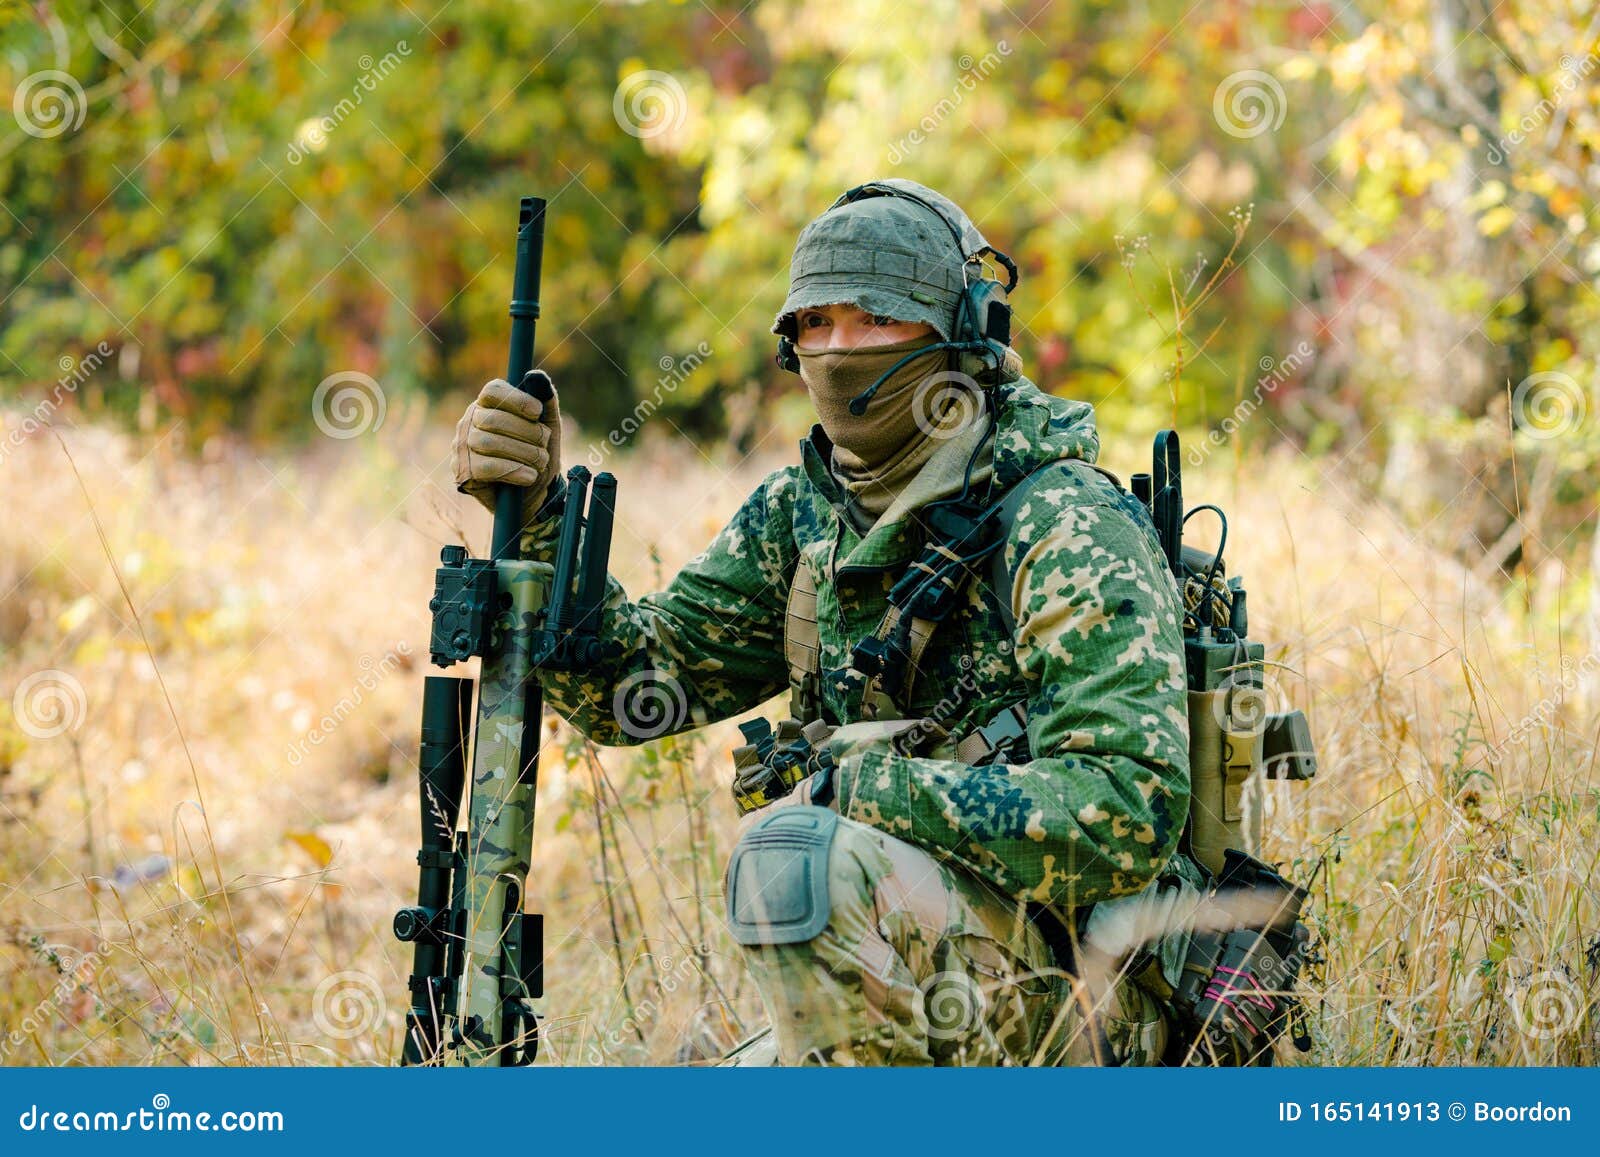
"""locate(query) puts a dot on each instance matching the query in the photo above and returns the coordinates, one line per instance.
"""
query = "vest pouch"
(1223, 755)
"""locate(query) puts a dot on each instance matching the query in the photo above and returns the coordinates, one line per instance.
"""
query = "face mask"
(834, 377)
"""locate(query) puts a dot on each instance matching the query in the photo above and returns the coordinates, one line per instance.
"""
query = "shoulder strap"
(999, 576)
(802, 642)
(802, 645)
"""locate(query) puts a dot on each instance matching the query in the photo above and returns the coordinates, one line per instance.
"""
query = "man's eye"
(811, 320)
(880, 319)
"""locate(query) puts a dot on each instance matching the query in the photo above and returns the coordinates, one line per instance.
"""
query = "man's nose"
(843, 336)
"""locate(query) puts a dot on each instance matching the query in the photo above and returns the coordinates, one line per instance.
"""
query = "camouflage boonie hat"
(886, 255)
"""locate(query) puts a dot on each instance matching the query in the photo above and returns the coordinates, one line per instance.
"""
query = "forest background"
(255, 258)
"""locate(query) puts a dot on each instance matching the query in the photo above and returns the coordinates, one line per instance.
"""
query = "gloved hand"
(509, 435)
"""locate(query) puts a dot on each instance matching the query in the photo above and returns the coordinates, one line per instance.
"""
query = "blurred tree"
(245, 199)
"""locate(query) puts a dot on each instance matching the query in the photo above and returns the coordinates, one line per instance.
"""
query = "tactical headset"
(982, 330)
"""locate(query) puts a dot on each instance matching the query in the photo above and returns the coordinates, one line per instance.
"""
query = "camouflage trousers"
(922, 963)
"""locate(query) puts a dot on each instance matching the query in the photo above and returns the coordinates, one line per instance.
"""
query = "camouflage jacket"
(1096, 651)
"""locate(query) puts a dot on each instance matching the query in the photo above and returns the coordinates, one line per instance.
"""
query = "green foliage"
(258, 196)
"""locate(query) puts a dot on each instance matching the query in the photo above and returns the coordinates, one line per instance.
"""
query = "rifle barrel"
(524, 320)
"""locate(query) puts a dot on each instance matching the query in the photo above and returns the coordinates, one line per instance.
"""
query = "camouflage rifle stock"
(478, 957)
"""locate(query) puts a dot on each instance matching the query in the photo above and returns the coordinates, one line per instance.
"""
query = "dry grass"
(284, 598)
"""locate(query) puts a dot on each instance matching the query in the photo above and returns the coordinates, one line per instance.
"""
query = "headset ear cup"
(986, 317)
(981, 368)
(975, 366)
(787, 359)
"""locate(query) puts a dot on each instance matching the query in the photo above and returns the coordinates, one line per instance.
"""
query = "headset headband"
(972, 244)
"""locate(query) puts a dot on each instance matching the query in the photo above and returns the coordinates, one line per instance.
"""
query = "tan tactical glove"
(509, 435)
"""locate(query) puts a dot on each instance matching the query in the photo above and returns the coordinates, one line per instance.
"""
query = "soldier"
(944, 560)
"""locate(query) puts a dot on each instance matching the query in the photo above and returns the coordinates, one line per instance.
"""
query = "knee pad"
(777, 881)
